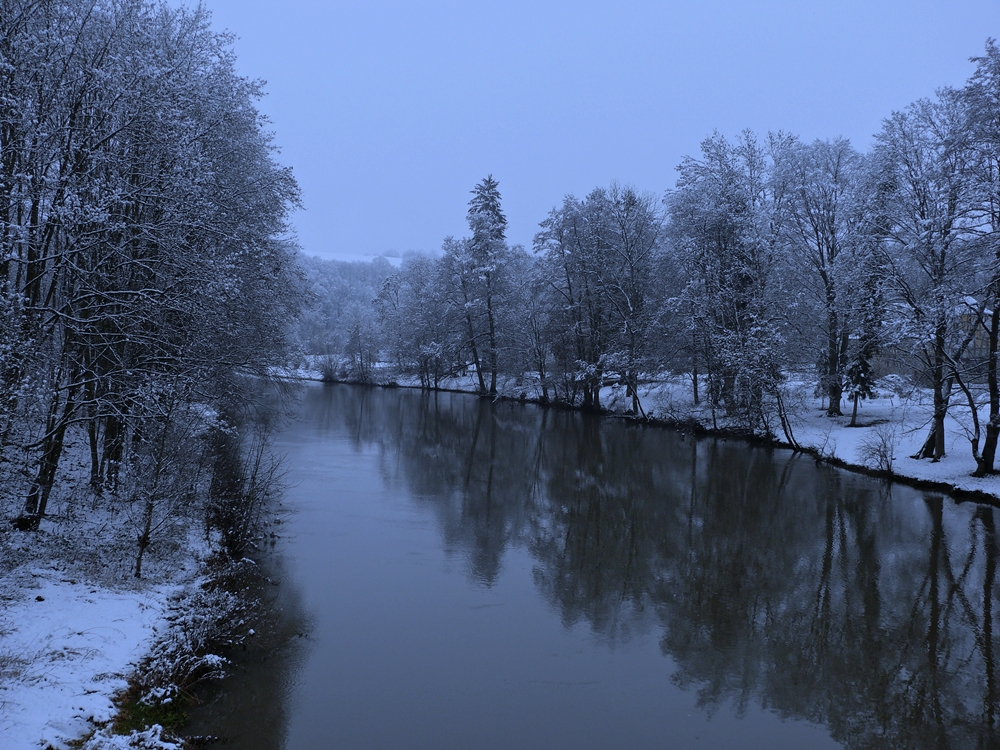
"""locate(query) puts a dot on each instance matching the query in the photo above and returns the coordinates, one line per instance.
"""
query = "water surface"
(466, 574)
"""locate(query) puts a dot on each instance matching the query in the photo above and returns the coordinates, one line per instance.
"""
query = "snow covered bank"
(71, 641)
(68, 641)
(891, 427)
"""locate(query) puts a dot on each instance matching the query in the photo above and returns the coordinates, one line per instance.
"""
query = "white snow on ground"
(151, 739)
(897, 421)
(74, 621)
(65, 649)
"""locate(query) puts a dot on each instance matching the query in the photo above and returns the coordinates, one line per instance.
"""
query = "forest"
(770, 258)
(147, 279)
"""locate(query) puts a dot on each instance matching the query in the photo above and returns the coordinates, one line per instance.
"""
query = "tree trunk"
(989, 448)
(541, 379)
(472, 338)
(934, 446)
(52, 445)
(475, 354)
(974, 437)
(147, 524)
(95, 456)
(940, 411)
(993, 425)
(493, 337)
(114, 444)
(834, 382)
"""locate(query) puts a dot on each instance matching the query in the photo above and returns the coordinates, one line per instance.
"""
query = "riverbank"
(890, 429)
(88, 653)
(88, 650)
(73, 626)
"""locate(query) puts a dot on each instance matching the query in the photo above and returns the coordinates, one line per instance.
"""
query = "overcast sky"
(390, 112)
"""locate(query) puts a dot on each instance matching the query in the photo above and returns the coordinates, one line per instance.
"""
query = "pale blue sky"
(390, 112)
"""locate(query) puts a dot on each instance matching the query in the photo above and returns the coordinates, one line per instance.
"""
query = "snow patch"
(69, 648)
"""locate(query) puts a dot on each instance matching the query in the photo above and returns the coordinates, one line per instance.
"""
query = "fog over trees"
(769, 257)
(145, 273)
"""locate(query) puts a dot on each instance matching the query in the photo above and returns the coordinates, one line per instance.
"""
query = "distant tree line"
(768, 257)
(143, 270)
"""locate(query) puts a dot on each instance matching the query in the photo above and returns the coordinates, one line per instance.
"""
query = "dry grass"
(12, 665)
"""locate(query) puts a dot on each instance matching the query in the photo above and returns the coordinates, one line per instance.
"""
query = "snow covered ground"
(891, 427)
(66, 647)
(74, 622)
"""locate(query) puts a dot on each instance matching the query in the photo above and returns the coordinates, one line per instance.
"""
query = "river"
(456, 573)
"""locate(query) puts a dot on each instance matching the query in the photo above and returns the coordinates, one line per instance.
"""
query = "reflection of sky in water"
(491, 575)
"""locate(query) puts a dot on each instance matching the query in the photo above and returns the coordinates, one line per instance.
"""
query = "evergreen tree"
(860, 378)
(488, 248)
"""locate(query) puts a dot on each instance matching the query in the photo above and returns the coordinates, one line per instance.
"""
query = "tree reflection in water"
(819, 594)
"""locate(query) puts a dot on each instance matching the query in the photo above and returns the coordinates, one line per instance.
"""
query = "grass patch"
(137, 714)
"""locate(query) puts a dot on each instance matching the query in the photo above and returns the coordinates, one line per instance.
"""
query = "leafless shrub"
(203, 619)
(329, 368)
(828, 448)
(246, 476)
(878, 449)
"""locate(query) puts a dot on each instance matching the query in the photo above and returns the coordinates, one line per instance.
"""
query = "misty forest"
(156, 309)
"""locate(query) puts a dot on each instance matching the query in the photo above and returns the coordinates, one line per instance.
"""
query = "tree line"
(145, 273)
(768, 258)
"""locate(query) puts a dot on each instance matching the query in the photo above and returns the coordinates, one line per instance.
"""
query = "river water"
(456, 573)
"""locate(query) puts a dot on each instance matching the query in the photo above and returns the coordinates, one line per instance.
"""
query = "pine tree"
(488, 248)
(859, 375)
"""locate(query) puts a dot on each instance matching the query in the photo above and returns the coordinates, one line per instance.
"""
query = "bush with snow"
(149, 739)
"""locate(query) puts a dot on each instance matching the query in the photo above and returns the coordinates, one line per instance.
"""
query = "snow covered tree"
(413, 312)
(572, 246)
(923, 156)
(981, 99)
(488, 253)
(141, 225)
(633, 228)
(726, 215)
(822, 231)
(859, 376)
(466, 301)
(332, 287)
